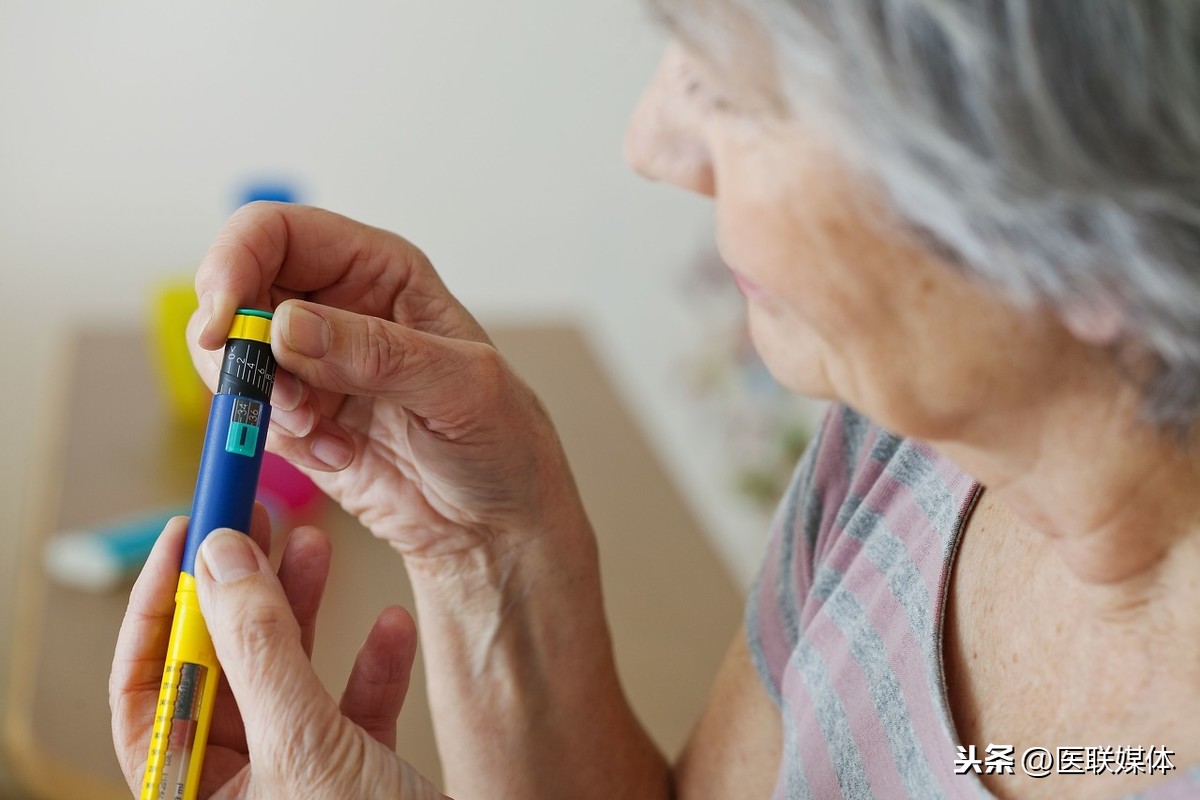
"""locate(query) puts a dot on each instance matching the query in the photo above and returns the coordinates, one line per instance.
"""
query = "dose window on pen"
(247, 412)
(243, 427)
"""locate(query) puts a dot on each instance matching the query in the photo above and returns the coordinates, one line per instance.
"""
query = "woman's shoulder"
(868, 515)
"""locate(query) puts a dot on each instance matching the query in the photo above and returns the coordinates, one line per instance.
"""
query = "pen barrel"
(236, 435)
(185, 703)
(225, 490)
(229, 467)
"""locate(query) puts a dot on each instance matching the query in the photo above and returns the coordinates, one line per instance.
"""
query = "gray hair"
(1051, 146)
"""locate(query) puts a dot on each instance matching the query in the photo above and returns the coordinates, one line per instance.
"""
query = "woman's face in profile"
(843, 303)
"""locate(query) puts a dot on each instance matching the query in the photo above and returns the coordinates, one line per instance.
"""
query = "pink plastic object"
(287, 492)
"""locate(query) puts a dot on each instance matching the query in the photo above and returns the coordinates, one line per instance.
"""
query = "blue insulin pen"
(225, 488)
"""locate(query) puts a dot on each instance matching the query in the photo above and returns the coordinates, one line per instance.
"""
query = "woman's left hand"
(276, 732)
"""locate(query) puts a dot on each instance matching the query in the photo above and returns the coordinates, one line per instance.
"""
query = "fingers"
(141, 650)
(379, 680)
(147, 619)
(303, 570)
(295, 409)
(270, 251)
(438, 378)
(260, 527)
(327, 447)
(207, 362)
(259, 643)
(302, 573)
(226, 773)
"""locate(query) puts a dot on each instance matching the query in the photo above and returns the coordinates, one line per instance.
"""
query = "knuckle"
(488, 371)
(381, 356)
(286, 757)
(315, 755)
(261, 629)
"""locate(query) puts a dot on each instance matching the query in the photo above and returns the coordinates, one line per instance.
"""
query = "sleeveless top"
(845, 629)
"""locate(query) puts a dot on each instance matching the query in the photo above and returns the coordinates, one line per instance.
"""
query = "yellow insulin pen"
(225, 489)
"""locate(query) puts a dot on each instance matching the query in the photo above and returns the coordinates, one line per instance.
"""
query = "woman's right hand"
(276, 732)
(390, 394)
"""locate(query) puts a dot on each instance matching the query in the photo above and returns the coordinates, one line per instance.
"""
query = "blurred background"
(490, 134)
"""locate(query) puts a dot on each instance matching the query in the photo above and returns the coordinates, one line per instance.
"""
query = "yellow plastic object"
(185, 702)
(172, 305)
(250, 326)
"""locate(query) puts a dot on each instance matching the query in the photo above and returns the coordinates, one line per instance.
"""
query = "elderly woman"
(974, 226)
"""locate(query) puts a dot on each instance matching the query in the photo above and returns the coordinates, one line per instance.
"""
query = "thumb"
(257, 639)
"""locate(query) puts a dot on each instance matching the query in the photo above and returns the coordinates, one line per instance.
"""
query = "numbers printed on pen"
(259, 373)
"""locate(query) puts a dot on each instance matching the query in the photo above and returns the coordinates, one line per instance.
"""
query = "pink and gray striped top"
(845, 622)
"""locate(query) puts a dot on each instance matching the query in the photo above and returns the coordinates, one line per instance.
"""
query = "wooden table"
(108, 449)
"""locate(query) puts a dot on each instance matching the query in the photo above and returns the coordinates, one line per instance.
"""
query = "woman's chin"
(794, 360)
(803, 377)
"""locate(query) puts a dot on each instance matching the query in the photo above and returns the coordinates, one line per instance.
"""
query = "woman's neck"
(1117, 500)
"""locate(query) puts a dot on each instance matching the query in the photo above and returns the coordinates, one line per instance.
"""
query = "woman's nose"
(665, 140)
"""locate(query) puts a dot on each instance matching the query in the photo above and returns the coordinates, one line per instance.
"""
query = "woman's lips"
(750, 289)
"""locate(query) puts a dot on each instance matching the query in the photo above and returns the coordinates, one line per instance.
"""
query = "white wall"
(489, 133)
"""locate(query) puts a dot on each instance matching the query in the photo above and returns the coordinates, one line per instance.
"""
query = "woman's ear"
(1096, 321)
